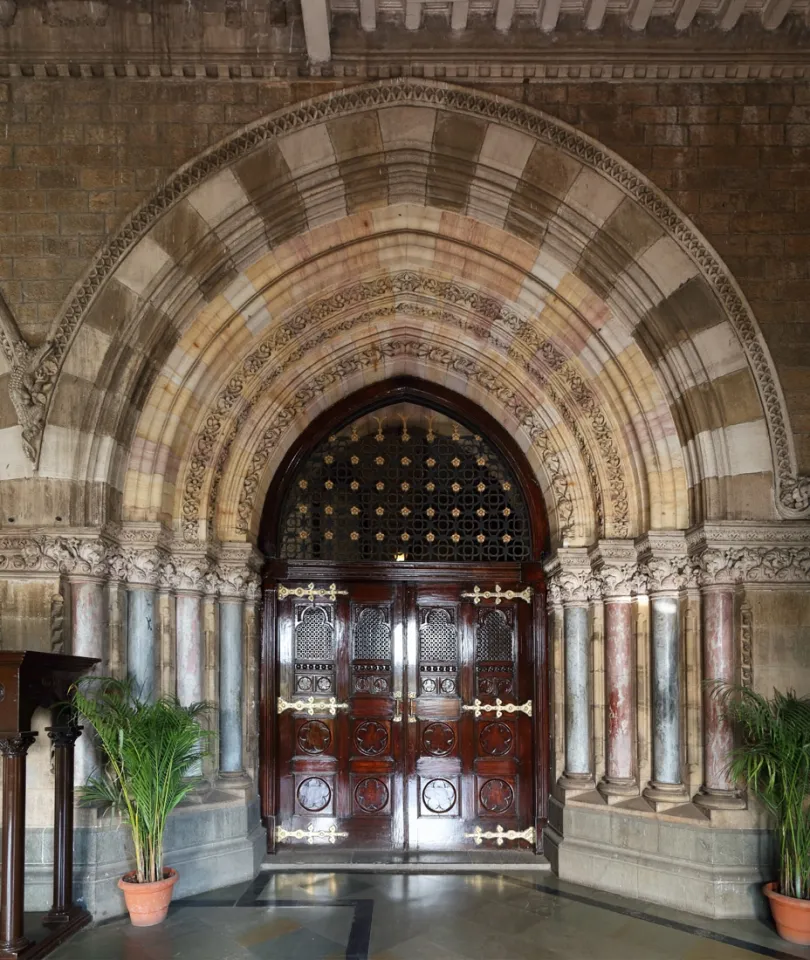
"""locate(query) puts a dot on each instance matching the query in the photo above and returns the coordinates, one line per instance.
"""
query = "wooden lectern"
(29, 680)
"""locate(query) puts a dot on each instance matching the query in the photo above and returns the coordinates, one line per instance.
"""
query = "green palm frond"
(773, 761)
(151, 750)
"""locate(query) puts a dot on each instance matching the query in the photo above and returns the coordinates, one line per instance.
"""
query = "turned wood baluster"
(14, 747)
(64, 739)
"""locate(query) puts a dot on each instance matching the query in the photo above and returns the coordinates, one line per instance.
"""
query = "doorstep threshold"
(383, 862)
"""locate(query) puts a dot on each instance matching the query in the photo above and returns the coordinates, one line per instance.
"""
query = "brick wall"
(77, 155)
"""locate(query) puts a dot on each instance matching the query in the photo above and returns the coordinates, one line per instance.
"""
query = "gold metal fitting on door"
(498, 708)
(311, 706)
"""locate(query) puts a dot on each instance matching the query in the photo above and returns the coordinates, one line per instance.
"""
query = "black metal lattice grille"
(493, 637)
(408, 493)
(372, 635)
(313, 634)
(438, 638)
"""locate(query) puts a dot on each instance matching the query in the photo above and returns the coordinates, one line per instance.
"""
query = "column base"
(713, 799)
(576, 782)
(234, 780)
(74, 915)
(614, 789)
(662, 796)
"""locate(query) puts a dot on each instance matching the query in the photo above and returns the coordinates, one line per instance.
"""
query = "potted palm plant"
(773, 761)
(152, 752)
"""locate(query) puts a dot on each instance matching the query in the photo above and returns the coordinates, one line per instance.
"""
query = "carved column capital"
(570, 580)
(725, 554)
(615, 567)
(64, 736)
(663, 563)
(77, 556)
(15, 745)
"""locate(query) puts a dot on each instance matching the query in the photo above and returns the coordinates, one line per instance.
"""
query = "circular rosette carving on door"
(496, 738)
(496, 796)
(438, 739)
(314, 737)
(314, 794)
(439, 796)
(371, 738)
(371, 795)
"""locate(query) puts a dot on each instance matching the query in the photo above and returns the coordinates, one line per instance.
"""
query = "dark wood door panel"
(405, 761)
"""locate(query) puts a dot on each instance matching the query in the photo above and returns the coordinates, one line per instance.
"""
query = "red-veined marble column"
(718, 791)
(620, 773)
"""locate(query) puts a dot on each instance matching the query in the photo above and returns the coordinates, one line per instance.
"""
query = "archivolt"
(265, 221)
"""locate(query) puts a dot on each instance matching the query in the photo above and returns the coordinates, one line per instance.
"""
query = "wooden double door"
(407, 714)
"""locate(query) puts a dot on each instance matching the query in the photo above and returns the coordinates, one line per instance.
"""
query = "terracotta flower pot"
(791, 916)
(148, 903)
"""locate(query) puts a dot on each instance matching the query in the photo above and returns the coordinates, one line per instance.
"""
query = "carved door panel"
(339, 739)
(469, 769)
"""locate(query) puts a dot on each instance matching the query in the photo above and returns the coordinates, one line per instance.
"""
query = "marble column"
(718, 791)
(577, 773)
(231, 616)
(620, 773)
(141, 616)
(666, 785)
(189, 652)
(88, 623)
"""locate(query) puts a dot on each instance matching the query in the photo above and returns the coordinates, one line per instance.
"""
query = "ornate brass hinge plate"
(311, 706)
(498, 708)
(499, 835)
(310, 591)
(311, 835)
(497, 594)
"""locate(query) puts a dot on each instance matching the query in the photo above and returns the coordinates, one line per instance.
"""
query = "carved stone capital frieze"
(42, 553)
(663, 563)
(615, 568)
(731, 553)
(570, 579)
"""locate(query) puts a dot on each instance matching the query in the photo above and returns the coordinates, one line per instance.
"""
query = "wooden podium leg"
(63, 908)
(14, 747)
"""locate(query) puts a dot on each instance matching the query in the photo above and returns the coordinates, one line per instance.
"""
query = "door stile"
(399, 792)
(410, 692)
(344, 692)
(533, 574)
(268, 745)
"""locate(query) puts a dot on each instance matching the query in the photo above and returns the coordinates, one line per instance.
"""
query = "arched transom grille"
(405, 483)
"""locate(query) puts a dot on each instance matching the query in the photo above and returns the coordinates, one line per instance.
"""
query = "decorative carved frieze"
(615, 568)
(663, 563)
(750, 553)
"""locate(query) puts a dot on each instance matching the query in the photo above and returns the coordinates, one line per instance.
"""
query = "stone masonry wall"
(78, 155)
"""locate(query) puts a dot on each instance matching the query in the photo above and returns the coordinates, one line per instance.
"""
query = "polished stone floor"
(390, 916)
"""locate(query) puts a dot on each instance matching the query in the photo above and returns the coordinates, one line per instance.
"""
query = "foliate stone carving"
(16, 746)
(663, 563)
(73, 556)
(615, 568)
(188, 574)
(370, 357)
(570, 579)
(57, 623)
(751, 553)
(746, 645)
(793, 491)
(541, 362)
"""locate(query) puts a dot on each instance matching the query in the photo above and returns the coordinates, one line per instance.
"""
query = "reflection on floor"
(387, 916)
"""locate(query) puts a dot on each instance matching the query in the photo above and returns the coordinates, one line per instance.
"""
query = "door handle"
(411, 706)
(498, 708)
(398, 706)
(311, 705)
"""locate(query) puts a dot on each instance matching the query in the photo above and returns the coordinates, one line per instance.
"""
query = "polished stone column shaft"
(88, 623)
(141, 620)
(230, 685)
(718, 790)
(577, 696)
(620, 776)
(190, 660)
(666, 694)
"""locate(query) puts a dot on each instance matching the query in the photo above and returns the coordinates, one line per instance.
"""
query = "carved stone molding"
(189, 574)
(44, 553)
(372, 357)
(793, 491)
(211, 451)
(750, 553)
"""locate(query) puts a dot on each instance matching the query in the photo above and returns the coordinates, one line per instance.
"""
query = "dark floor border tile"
(695, 931)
